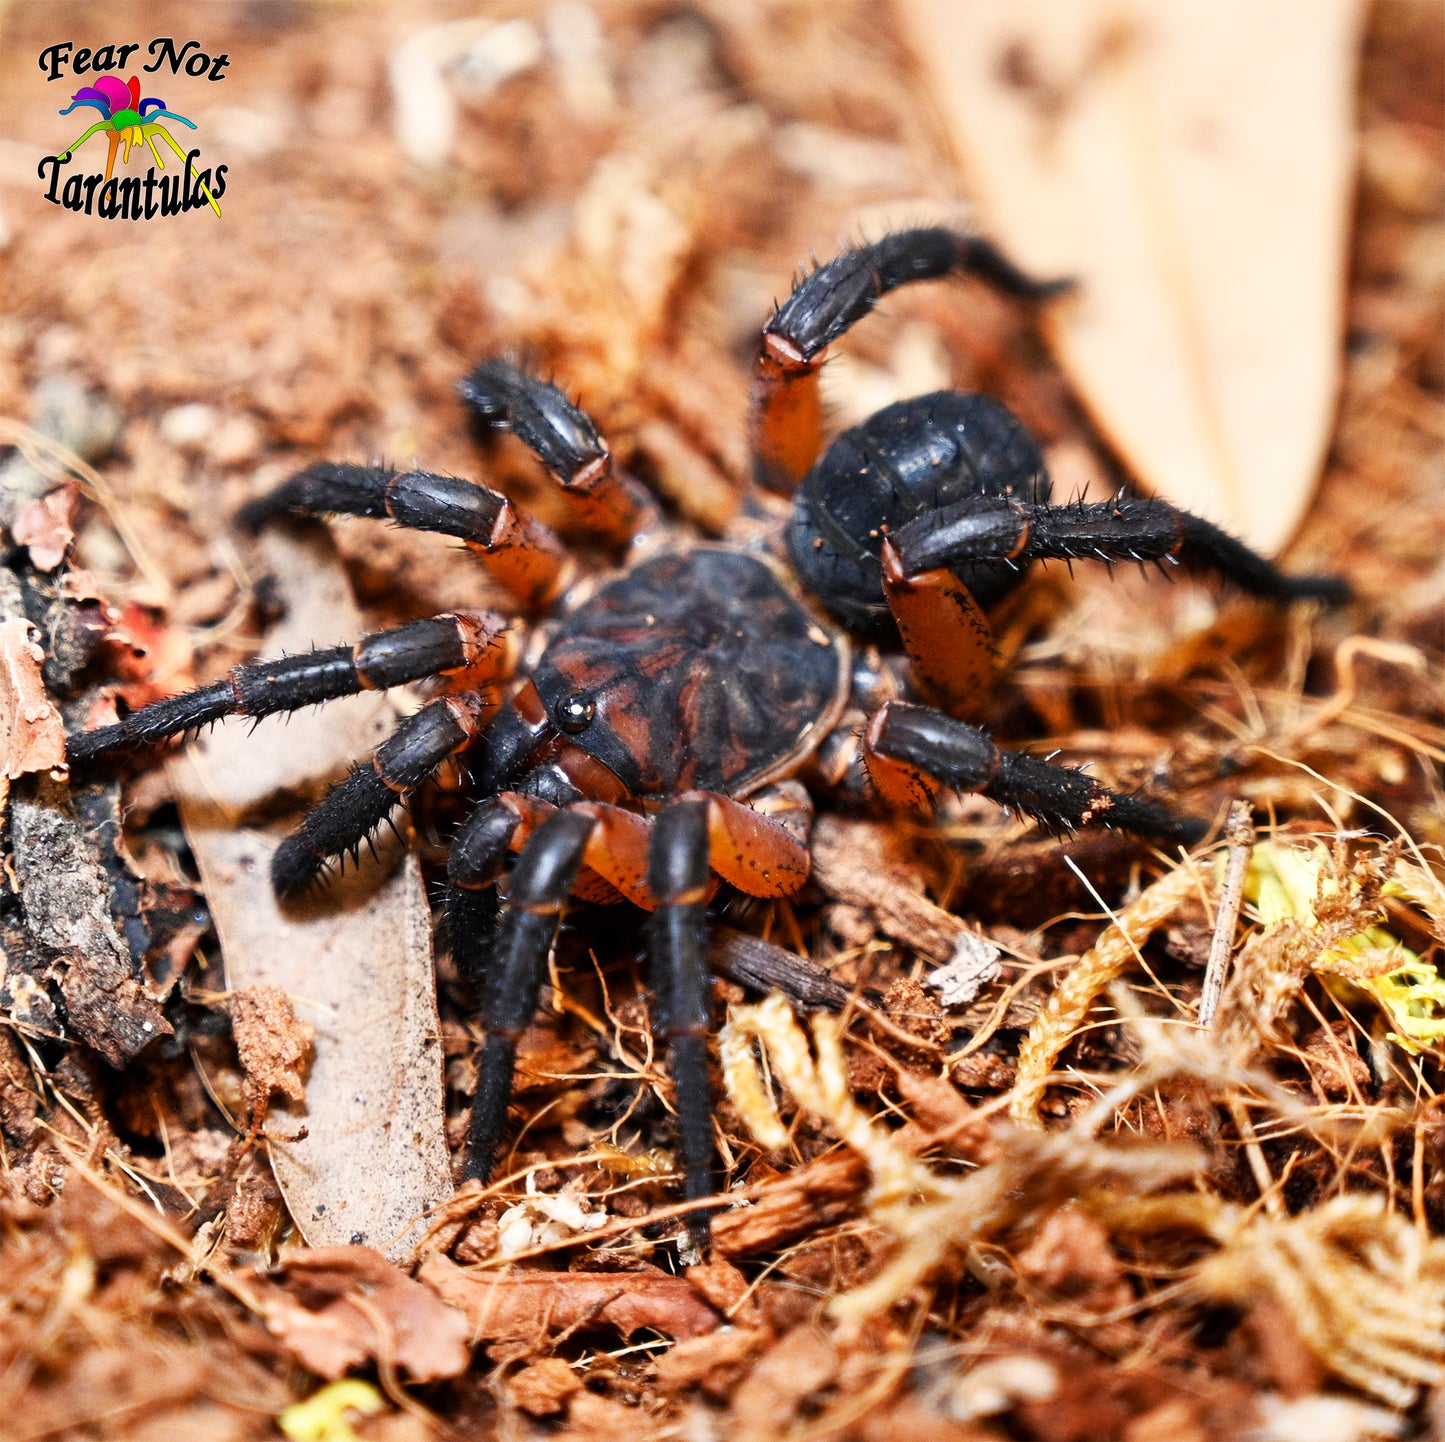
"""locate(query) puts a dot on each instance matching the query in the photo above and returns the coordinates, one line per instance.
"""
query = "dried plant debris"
(532, 1304)
(273, 1045)
(339, 1306)
(1006, 1163)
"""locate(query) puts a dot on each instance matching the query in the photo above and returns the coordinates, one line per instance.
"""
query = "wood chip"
(790, 1371)
(824, 1191)
(543, 1389)
(866, 864)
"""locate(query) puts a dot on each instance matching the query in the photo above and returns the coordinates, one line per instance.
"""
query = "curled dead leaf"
(47, 526)
(342, 1306)
(531, 1304)
(367, 1159)
(1191, 166)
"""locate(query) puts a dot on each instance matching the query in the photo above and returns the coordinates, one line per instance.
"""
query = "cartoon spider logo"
(130, 121)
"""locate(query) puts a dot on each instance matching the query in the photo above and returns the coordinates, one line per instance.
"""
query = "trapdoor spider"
(656, 746)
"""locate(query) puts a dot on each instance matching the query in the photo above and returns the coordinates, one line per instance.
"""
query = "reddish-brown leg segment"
(944, 631)
(787, 415)
(751, 851)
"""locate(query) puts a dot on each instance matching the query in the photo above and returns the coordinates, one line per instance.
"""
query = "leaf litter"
(1056, 1208)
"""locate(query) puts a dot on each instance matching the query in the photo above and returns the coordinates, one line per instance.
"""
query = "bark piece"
(790, 1371)
(543, 1389)
(526, 1304)
(865, 864)
(823, 1192)
(67, 910)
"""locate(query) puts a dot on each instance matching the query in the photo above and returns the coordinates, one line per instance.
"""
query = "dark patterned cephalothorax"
(656, 748)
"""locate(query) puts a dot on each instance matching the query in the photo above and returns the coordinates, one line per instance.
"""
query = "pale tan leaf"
(1190, 163)
(370, 1155)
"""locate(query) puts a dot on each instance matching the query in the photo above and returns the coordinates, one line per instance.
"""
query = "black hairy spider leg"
(471, 907)
(678, 873)
(541, 881)
(908, 750)
(837, 295)
(564, 438)
(437, 646)
(351, 811)
(787, 412)
(524, 555)
(986, 529)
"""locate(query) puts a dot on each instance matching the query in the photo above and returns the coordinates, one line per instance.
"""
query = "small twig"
(1239, 831)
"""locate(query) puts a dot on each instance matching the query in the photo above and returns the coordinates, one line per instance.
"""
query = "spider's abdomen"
(904, 462)
(693, 671)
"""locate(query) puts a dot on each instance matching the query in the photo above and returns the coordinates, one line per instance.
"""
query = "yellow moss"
(1287, 884)
(322, 1417)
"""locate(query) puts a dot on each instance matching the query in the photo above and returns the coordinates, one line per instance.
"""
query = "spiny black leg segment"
(677, 874)
(1060, 797)
(473, 864)
(787, 433)
(604, 499)
(162, 719)
(418, 500)
(1001, 529)
(839, 294)
(350, 812)
(521, 553)
(541, 881)
(436, 646)
(557, 432)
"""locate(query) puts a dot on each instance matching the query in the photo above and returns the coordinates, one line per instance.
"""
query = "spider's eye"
(575, 712)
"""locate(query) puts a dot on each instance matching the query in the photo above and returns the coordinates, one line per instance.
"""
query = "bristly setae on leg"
(638, 758)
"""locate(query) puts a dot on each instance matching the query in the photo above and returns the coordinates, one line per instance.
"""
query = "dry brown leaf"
(47, 526)
(790, 1371)
(526, 1304)
(31, 732)
(368, 1156)
(343, 1306)
(1191, 165)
